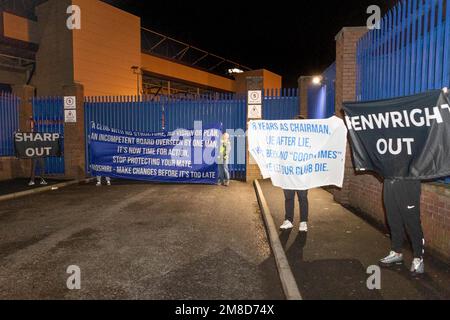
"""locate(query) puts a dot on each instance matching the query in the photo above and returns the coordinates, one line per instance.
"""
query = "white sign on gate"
(254, 112)
(70, 116)
(70, 103)
(255, 97)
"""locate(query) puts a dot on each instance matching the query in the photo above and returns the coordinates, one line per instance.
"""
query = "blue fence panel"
(48, 114)
(321, 96)
(409, 55)
(230, 110)
(122, 112)
(143, 114)
(329, 81)
(125, 112)
(282, 104)
(9, 123)
(317, 102)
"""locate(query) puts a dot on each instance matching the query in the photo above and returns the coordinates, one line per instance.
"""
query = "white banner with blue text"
(300, 154)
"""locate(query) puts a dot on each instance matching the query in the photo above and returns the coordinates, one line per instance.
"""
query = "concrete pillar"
(22, 168)
(253, 172)
(346, 45)
(303, 84)
(55, 56)
(25, 93)
(269, 80)
(74, 136)
(6, 171)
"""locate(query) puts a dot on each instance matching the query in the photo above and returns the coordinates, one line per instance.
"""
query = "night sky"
(284, 37)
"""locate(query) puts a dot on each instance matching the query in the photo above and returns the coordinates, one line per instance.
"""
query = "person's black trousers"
(402, 202)
(289, 196)
(35, 164)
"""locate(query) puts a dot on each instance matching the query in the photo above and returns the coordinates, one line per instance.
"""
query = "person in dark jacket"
(37, 164)
(289, 197)
(289, 203)
(402, 202)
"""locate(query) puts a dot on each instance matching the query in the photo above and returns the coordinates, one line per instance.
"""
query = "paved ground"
(330, 262)
(137, 241)
(18, 185)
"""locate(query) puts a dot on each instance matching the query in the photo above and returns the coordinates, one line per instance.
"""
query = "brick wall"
(11, 168)
(5, 169)
(346, 42)
(253, 173)
(366, 195)
(74, 137)
(435, 208)
(54, 59)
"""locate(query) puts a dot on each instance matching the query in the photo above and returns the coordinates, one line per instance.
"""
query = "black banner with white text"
(402, 138)
(30, 145)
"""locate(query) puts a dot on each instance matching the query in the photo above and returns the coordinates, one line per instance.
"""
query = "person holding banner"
(289, 196)
(36, 163)
(289, 203)
(402, 202)
(405, 141)
(223, 160)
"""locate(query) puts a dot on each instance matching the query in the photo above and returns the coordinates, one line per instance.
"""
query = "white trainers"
(392, 259)
(43, 182)
(108, 183)
(99, 184)
(418, 267)
(303, 227)
(287, 225)
(32, 183)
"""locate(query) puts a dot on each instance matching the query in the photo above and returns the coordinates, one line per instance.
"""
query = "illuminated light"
(317, 80)
(445, 90)
(235, 70)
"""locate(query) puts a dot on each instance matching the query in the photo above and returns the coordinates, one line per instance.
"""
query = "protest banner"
(31, 145)
(300, 154)
(402, 138)
(182, 156)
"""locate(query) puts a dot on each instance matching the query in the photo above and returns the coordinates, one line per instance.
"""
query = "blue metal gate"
(281, 104)
(229, 110)
(48, 114)
(144, 115)
(122, 112)
(410, 53)
(9, 123)
(321, 96)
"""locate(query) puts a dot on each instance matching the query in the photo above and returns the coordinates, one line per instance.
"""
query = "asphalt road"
(137, 241)
(19, 185)
(331, 260)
